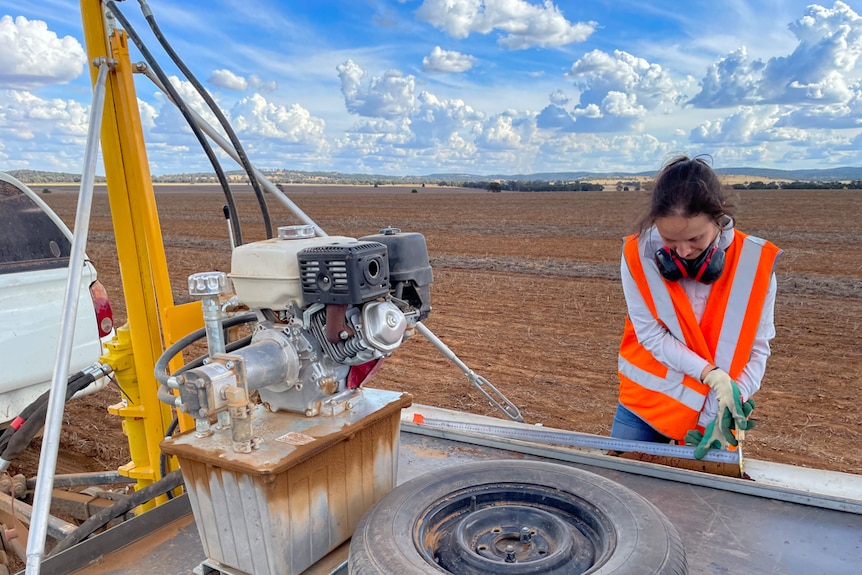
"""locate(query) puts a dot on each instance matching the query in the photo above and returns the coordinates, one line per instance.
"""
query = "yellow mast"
(140, 249)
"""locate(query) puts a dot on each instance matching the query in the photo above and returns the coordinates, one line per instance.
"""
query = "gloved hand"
(747, 408)
(717, 435)
(695, 437)
(727, 394)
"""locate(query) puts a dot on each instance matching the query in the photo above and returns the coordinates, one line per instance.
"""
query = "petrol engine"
(326, 311)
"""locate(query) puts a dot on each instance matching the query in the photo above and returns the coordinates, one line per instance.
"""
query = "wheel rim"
(513, 529)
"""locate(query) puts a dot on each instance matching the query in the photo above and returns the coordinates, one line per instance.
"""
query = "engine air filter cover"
(348, 273)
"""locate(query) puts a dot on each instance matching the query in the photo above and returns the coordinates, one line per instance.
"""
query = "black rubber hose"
(173, 95)
(252, 178)
(27, 412)
(161, 367)
(170, 481)
(163, 457)
(21, 438)
(199, 361)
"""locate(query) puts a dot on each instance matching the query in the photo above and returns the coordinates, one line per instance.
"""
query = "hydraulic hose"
(24, 428)
(163, 457)
(184, 109)
(161, 367)
(170, 481)
(252, 177)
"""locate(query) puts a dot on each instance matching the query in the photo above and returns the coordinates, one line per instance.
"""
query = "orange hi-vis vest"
(669, 400)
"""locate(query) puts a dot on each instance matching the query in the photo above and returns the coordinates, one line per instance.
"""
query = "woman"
(700, 297)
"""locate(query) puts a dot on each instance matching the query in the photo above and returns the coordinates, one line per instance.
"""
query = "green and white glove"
(696, 438)
(747, 408)
(728, 395)
(718, 435)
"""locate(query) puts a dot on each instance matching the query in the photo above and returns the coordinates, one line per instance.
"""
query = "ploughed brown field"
(526, 292)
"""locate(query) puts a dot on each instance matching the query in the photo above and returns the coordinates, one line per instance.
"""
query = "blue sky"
(407, 87)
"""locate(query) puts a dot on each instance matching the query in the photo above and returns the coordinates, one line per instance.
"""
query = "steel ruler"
(586, 440)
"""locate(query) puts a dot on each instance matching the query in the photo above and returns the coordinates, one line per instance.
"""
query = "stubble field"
(526, 292)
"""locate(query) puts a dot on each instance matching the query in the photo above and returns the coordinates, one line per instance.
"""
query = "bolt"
(229, 365)
(510, 553)
(391, 320)
(526, 535)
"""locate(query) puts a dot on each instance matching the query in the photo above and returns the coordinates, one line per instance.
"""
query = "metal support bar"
(56, 399)
(56, 528)
(79, 479)
(487, 389)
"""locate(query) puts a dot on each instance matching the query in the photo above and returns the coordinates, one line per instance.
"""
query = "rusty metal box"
(281, 508)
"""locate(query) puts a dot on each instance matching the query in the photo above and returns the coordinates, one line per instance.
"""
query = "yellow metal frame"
(152, 317)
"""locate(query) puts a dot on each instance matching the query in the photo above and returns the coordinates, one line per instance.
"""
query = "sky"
(419, 87)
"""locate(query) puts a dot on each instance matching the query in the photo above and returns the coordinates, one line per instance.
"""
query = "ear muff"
(670, 265)
(706, 268)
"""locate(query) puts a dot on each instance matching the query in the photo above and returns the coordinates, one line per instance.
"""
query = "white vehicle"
(35, 246)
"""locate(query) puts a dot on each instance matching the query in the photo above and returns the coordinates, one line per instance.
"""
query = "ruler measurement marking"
(582, 440)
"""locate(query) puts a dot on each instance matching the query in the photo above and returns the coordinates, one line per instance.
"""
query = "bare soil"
(526, 292)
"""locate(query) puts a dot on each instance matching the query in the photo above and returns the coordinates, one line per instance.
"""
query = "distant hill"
(42, 177)
(832, 174)
(846, 173)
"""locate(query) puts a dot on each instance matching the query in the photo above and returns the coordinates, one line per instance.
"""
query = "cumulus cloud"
(846, 115)
(387, 96)
(731, 81)
(263, 87)
(598, 73)
(227, 80)
(553, 117)
(500, 133)
(830, 43)
(438, 121)
(33, 56)
(594, 152)
(749, 125)
(618, 90)
(559, 98)
(821, 71)
(25, 115)
(523, 25)
(440, 60)
(45, 133)
(254, 116)
(168, 120)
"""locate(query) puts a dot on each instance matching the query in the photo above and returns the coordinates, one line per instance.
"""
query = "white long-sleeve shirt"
(673, 353)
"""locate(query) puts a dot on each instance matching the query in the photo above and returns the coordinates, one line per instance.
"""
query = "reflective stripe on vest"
(670, 400)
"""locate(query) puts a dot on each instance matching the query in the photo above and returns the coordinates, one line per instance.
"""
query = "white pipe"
(231, 151)
(57, 396)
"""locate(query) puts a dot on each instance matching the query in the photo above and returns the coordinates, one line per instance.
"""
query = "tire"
(468, 519)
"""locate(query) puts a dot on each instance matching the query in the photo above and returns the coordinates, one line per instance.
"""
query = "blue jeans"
(627, 425)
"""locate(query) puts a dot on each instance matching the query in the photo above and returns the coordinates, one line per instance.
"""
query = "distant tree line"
(532, 186)
(300, 177)
(42, 177)
(798, 185)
